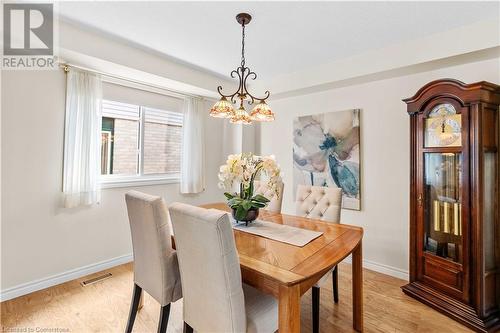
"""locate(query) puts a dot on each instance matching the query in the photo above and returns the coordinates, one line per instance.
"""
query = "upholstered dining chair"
(214, 297)
(322, 203)
(274, 205)
(156, 269)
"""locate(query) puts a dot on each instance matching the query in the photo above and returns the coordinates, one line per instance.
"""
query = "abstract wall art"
(326, 152)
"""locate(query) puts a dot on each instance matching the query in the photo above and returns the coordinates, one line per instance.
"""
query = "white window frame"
(110, 138)
(140, 179)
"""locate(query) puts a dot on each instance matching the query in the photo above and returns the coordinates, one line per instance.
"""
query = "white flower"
(244, 168)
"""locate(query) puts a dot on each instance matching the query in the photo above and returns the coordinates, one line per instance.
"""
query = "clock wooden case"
(454, 201)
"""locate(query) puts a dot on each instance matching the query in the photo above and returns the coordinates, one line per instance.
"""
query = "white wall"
(384, 153)
(39, 239)
(83, 46)
(468, 39)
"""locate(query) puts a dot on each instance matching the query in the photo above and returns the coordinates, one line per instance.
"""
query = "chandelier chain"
(243, 45)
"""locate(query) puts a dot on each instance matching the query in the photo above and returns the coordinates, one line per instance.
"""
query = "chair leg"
(187, 328)
(136, 296)
(335, 282)
(164, 314)
(315, 308)
(141, 302)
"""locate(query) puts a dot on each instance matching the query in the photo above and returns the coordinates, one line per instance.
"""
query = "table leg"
(289, 309)
(357, 288)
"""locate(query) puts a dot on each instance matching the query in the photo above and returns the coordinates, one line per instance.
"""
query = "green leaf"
(261, 198)
(256, 204)
(241, 213)
(229, 196)
(250, 188)
(234, 202)
(246, 204)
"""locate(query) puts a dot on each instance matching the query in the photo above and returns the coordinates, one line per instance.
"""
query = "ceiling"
(283, 37)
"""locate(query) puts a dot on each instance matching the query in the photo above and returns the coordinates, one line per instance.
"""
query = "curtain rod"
(168, 92)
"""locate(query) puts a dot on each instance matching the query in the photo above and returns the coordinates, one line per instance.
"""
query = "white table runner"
(278, 232)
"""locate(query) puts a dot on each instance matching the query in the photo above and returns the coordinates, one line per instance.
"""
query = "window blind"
(120, 110)
(163, 117)
(134, 96)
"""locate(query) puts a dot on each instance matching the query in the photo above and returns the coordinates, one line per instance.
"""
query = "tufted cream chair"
(317, 202)
(215, 299)
(274, 205)
(156, 269)
(322, 203)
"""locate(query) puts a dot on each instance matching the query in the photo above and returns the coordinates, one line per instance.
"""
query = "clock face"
(443, 127)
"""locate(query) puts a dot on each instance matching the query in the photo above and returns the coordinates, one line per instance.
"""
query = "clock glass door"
(442, 161)
(443, 205)
(443, 198)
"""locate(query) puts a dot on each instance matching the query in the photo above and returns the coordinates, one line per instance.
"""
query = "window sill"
(132, 181)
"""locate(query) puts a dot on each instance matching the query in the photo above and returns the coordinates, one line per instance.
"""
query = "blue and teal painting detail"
(327, 158)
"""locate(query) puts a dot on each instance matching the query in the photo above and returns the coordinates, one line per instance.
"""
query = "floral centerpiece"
(243, 169)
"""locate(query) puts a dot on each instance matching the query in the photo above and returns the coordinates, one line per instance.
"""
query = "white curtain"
(193, 147)
(82, 139)
(232, 138)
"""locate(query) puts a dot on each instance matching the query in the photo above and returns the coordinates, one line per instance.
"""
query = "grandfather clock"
(454, 201)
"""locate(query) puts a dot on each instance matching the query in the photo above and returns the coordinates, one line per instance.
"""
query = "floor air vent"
(96, 279)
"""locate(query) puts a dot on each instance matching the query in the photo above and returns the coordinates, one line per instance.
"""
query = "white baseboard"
(384, 269)
(53, 280)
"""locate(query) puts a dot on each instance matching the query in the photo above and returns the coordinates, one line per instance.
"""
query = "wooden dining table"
(287, 271)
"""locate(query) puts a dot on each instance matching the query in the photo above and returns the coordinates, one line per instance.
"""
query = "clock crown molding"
(474, 92)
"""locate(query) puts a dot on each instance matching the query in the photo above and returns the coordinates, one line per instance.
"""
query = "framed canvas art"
(326, 152)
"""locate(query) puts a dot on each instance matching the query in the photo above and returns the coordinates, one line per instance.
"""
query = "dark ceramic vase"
(251, 216)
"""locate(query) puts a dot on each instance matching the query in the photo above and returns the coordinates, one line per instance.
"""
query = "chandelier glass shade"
(240, 116)
(262, 112)
(224, 107)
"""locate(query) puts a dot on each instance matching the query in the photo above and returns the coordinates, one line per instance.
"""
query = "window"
(139, 145)
(162, 141)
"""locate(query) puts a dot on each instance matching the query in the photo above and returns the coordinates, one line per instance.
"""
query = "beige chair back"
(155, 262)
(274, 206)
(318, 202)
(210, 269)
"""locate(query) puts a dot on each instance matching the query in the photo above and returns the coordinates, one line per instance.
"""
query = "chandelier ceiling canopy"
(224, 107)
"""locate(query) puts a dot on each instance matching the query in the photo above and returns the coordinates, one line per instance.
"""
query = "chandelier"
(224, 107)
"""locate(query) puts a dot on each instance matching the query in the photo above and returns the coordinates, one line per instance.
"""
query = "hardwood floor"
(104, 306)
